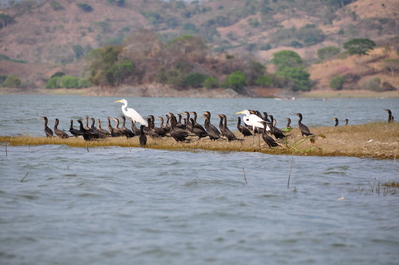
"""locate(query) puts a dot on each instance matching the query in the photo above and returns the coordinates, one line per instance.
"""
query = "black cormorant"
(243, 130)
(88, 136)
(125, 131)
(212, 131)
(268, 140)
(47, 130)
(201, 133)
(346, 122)
(225, 130)
(142, 137)
(195, 123)
(304, 129)
(288, 126)
(158, 130)
(58, 132)
(336, 122)
(75, 132)
(135, 130)
(390, 117)
(278, 133)
(112, 130)
(178, 134)
(103, 131)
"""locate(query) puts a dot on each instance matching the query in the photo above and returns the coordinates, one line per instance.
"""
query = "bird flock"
(183, 127)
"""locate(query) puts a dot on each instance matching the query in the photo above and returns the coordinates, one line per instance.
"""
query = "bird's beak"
(117, 101)
(239, 112)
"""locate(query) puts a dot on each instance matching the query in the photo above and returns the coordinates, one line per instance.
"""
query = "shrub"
(3, 78)
(386, 86)
(195, 79)
(327, 52)
(52, 82)
(211, 82)
(190, 27)
(264, 80)
(236, 80)
(83, 83)
(12, 81)
(85, 7)
(69, 81)
(297, 77)
(56, 6)
(337, 82)
(372, 84)
(266, 47)
(78, 50)
(58, 74)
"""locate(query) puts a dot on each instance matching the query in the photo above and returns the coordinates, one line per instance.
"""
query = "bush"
(297, 77)
(83, 83)
(52, 82)
(69, 81)
(3, 78)
(266, 47)
(195, 79)
(85, 7)
(264, 80)
(211, 82)
(337, 82)
(12, 81)
(327, 52)
(56, 6)
(372, 84)
(58, 74)
(236, 80)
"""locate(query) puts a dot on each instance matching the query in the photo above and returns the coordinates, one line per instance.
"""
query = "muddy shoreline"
(163, 91)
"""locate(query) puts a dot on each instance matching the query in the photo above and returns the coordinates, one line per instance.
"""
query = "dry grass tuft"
(375, 140)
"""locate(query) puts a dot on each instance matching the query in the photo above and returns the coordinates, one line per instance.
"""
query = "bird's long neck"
(225, 122)
(221, 123)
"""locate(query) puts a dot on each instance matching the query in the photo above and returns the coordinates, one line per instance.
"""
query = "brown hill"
(55, 35)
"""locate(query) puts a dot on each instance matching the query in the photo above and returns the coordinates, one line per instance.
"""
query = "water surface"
(132, 205)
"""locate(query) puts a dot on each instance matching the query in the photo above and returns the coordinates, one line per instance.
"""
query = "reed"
(384, 188)
(376, 140)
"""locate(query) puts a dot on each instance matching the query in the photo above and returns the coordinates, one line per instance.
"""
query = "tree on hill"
(327, 52)
(286, 58)
(359, 46)
(290, 68)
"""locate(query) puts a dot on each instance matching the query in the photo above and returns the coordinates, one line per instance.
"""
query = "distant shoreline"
(211, 93)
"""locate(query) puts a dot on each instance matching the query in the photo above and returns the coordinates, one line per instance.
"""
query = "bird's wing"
(136, 116)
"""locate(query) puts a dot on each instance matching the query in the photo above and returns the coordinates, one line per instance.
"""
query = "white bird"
(253, 120)
(129, 112)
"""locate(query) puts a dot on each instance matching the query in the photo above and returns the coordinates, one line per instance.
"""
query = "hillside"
(41, 39)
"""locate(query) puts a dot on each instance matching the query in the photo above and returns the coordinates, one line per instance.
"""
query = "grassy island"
(374, 140)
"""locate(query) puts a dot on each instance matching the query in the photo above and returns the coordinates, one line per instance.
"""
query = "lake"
(142, 206)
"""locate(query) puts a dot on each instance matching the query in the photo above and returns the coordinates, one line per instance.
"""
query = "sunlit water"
(142, 206)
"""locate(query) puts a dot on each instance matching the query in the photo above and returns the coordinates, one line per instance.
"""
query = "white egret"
(131, 113)
(253, 120)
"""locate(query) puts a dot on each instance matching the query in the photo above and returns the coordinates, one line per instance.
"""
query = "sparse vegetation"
(85, 7)
(12, 81)
(337, 82)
